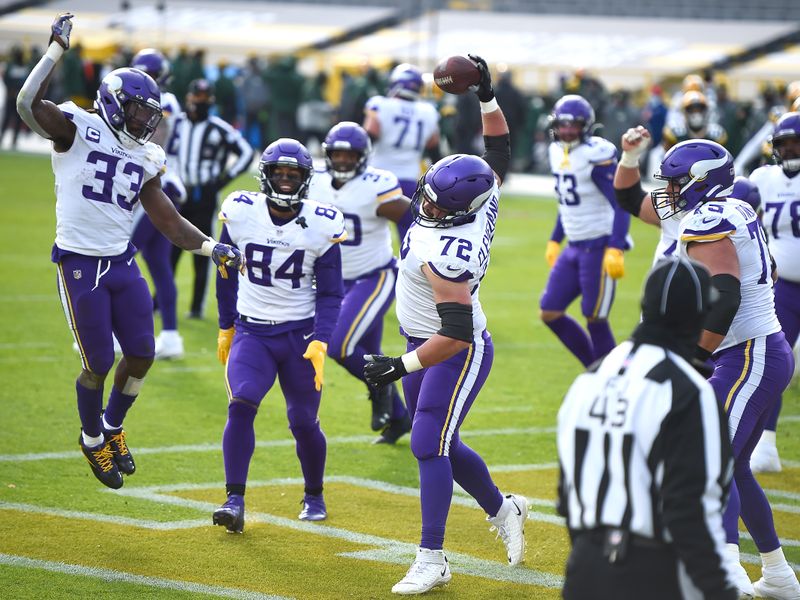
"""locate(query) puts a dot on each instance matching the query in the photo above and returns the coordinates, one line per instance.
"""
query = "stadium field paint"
(121, 577)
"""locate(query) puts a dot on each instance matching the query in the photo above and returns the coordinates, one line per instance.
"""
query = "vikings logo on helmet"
(130, 102)
(405, 81)
(154, 63)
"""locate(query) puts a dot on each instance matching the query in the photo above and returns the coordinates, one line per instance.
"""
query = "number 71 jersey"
(278, 283)
(97, 185)
(736, 220)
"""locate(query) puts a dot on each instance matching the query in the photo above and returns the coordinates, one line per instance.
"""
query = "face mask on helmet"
(346, 147)
(344, 165)
(129, 101)
(786, 143)
(571, 121)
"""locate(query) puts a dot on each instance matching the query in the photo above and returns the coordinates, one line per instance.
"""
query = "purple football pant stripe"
(156, 251)
(787, 307)
(438, 400)
(748, 379)
(254, 363)
(100, 296)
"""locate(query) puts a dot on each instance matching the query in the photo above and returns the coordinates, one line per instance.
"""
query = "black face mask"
(199, 111)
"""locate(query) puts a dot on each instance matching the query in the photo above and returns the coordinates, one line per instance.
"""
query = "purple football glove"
(60, 30)
(225, 256)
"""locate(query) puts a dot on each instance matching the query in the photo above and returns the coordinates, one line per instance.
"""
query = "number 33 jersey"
(369, 240)
(459, 253)
(736, 220)
(279, 281)
(97, 185)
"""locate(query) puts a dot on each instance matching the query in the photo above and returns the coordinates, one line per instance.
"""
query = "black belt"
(246, 319)
(598, 535)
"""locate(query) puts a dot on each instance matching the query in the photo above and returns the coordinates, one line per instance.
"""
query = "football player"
(276, 321)
(369, 199)
(103, 165)
(443, 259)
(752, 362)
(402, 128)
(779, 188)
(696, 123)
(155, 248)
(595, 227)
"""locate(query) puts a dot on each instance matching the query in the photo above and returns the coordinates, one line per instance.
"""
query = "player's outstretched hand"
(316, 353)
(484, 89)
(382, 370)
(225, 256)
(224, 341)
(60, 30)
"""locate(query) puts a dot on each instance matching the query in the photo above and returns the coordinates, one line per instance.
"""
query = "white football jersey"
(172, 114)
(586, 213)
(780, 200)
(369, 240)
(737, 221)
(405, 128)
(97, 185)
(668, 240)
(459, 253)
(278, 285)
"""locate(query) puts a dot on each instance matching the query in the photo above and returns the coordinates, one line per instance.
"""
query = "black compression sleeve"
(498, 153)
(456, 320)
(630, 198)
(723, 311)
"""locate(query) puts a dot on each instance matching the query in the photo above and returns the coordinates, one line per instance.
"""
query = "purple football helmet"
(154, 63)
(452, 191)
(696, 171)
(405, 81)
(785, 154)
(746, 190)
(347, 135)
(571, 111)
(285, 152)
(130, 102)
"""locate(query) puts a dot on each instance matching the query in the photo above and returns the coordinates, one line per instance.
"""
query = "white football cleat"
(169, 344)
(764, 458)
(510, 526)
(430, 569)
(779, 583)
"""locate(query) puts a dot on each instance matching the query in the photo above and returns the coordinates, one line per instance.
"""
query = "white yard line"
(122, 577)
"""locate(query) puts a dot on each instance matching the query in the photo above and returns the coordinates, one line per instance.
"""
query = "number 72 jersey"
(737, 221)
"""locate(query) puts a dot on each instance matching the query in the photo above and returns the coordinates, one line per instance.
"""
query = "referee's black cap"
(678, 294)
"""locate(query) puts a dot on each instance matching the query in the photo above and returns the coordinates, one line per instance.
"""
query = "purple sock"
(730, 518)
(312, 449)
(471, 473)
(398, 407)
(117, 408)
(435, 492)
(354, 363)
(90, 405)
(771, 423)
(602, 338)
(574, 338)
(238, 442)
(755, 510)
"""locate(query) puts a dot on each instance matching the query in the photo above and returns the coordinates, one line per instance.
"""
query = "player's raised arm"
(42, 116)
(627, 180)
(495, 129)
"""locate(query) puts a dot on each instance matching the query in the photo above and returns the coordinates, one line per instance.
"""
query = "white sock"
(91, 442)
(768, 437)
(774, 559)
(733, 551)
(108, 425)
(504, 508)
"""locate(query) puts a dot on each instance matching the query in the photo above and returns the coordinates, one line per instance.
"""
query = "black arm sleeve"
(630, 198)
(696, 480)
(723, 311)
(456, 320)
(498, 153)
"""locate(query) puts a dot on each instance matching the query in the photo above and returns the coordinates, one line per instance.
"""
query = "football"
(455, 74)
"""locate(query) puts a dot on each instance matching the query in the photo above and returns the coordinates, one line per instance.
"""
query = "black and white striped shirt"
(643, 446)
(205, 148)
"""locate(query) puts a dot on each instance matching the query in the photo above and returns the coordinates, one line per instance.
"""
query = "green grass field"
(62, 535)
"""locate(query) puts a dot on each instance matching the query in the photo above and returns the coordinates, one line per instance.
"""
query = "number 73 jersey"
(737, 221)
(279, 281)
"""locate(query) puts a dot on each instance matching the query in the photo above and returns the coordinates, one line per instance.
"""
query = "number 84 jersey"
(736, 220)
(97, 185)
(278, 283)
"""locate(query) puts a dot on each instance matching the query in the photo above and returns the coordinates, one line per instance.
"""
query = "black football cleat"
(381, 399)
(231, 514)
(396, 429)
(101, 460)
(122, 454)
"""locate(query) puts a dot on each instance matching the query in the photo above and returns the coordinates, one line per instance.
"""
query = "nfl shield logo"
(77, 274)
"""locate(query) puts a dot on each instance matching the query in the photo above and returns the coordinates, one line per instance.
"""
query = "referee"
(206, 145)
(645, 458)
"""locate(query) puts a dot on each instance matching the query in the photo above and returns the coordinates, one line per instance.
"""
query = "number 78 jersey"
(278, 284)
(737, 221)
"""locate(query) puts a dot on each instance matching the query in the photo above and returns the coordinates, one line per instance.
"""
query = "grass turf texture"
(61, 514)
